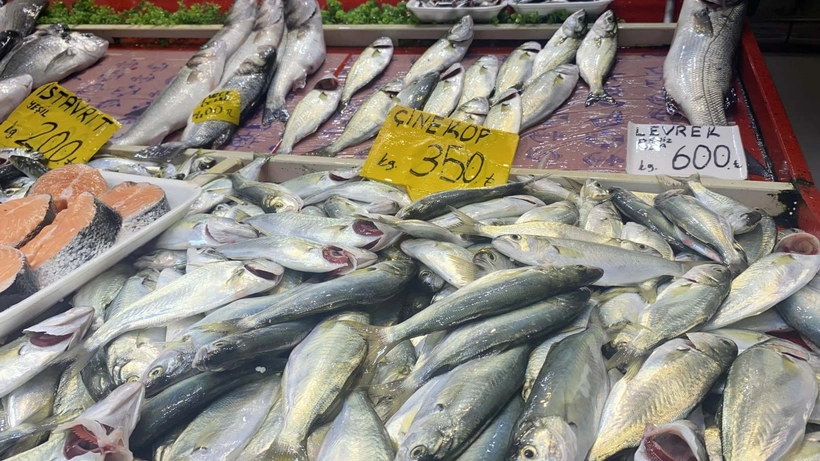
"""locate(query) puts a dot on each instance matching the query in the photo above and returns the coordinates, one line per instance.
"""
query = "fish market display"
(546, 93)
(421, 330)
(696, 74)
(596, 56)
(316, 107)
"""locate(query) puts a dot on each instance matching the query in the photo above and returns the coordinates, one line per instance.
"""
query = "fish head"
(639, 247)
(548, 439)
(490, 260)
(416, 94)
(206, 355)
(394, 86)
(462, 31)
(224, 231)
(530, 48)
(350, 258)
(606, 25)
(63, 331)
(93, 46)
(516, 244)
(719, 348)
(488, 61)
(327, 83)
(102, 431)
(173, 364)
(593, 190)
(798, 243)
(570, 73)
(256, 276)
(476, 106)
(427, 442)
(716, 275)
(382, 43)
(668, 195)
(18, 85)
(453, 71)
(383, 235)
(677, 440)
(298, 12)
(430, 280)
(576, 24)
(284, 203)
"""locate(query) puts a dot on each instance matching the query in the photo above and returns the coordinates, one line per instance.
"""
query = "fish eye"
(132, 379)
(219, 343)
(418, 451)
(491, 256)
(156, 372)
(641, 246)
(278, 205)
(515, 237)
(529, 452)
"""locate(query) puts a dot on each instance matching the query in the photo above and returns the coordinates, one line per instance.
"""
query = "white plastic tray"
(442, 14)
(593, 8)
(179, 194)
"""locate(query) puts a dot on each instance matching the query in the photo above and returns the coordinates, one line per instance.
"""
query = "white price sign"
(681, 150)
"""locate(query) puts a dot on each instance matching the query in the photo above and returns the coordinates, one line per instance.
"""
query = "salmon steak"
(139, 204)
(78, 234)
(23, 218)
(17, 281)
(67, 182)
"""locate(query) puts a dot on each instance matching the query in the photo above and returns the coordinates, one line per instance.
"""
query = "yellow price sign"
(58, 124)
(222, 105)
(428, 153)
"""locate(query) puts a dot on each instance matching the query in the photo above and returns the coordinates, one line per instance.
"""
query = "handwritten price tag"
(428, 153)
(681, 150)
(55, 122)
(222, 105)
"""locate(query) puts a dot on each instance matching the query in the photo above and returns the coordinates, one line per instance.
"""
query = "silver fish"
(740, 217)
(473, 111)
(268, 30)
(563, 212)
(445, 96)
(21, 17)
(237, 27)
(313, 183)
(237, 212)
(213, 194)
(416, 94)
(312, 111)
(547, 93)
(203, 230)
(357, 433)
(479, 80)
(170, 110)
(761, 240)
(539, 355)
(445, 52)
(32, 403)
(604, 219)
(304, 53)
(363, 191)
(271, 197)
(561, 47)
(596, 56)
(510, 206)
(707, 34)
(372, 61)
(451, 262)
(517, 68)
(638, 233)
(101, 291)
(129, 356)
(506, 113)
(800, 310)
(495, 440)
(769, 394)
(13, 91)
(346, 232)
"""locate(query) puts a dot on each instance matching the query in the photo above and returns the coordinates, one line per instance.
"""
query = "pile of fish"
(698, 70)
(267, 54)
(29, 60)
(63, 219)
(332, 318)
(458, 3)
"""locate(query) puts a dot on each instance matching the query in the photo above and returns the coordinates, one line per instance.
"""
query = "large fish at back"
(697, 72)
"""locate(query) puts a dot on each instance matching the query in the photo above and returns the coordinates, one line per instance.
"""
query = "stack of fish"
(342, 321)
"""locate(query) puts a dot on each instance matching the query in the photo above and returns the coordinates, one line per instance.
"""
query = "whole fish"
(312, 111)
(638, 233)
(473, 111)
(506, 113)
(365, 122)
(456, 416)
(704, 225)
(664, 388)
(683, 306)
(208, 433)
(357, 433)
(444, 53)
(13, 91)
(500, 292)
(561, 47)
(40, 346)
(707, 34)
(596, 56)
(547, 93)
(740, 217)
(300, 254)
(539, 355)
(268, 30)
(517, 68)
(562, 413)
(416, 94)
(562, 212)
(312, 183)
(620, 267)
(800, 310)
(495, 440)
(363, 191)
(250, 80)
(318, 371)
(372, 61)
(101, 291)
(202, 230)
(304, 52)
(504, 207)
(632, 207)
(52, 55)
(271, 197)
(21, 17)
(769, 394)
(604, 219)
(418, 229)
(445, 95)
(479, 79)
(765, 283)
(346, 232)
(440, 203)
(171, 109)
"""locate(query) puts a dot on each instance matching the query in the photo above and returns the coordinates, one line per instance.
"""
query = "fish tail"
(751, 218)
(327, 151)
(274, 115)
(669, 183)
(167, 151)
(632, 342)
(467, 224)
(597, 97)
(283, 451)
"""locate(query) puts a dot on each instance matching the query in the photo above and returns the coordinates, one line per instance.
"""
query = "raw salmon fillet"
(139, 204)
(23, 218)
(17, 281)
(67, 182)
(81, 232)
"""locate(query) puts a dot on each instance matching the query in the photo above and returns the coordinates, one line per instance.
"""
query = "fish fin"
(467, 224)
(66, 55)
(327, 151)
(752, 218)
(672, 106)
(465, 268)
(568, 252)
(280, 451)
(702, 22)
(632, 342)
(649, 289)
(274, 115)
(592, 98)
(574, 186)
(378, 343)
(167, 151)
(669, 183)
(633, 368)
